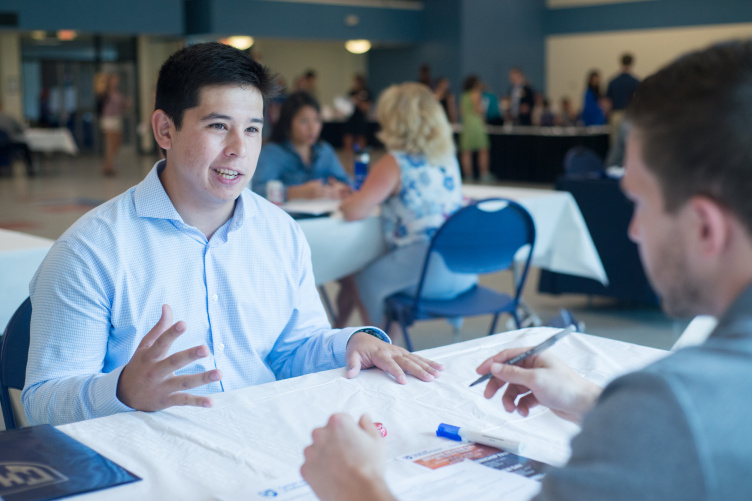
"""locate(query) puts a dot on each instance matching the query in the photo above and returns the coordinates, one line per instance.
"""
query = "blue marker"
(459, 434)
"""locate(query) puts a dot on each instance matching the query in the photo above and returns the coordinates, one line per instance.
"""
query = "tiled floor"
(68, 187)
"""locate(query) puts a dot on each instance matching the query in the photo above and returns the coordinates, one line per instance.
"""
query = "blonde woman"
(418, 185)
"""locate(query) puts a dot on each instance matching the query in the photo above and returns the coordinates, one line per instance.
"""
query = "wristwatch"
(373, 331)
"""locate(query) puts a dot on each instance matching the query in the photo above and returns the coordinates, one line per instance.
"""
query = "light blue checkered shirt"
(248, 293)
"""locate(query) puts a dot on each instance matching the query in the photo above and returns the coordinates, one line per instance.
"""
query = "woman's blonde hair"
(413, 121)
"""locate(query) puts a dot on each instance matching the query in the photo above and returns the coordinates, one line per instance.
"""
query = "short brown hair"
(693, 117)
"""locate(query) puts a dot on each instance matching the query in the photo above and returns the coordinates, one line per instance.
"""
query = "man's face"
(214, 154)
(660, 236)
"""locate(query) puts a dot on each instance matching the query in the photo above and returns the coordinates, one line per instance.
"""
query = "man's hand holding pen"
(541, 379)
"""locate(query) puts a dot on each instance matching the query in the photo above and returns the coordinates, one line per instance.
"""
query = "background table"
(562, 243)
(20, 256)
(607, 213)
(517, 153)
(51, 141)
(257, 434)
(536, 154)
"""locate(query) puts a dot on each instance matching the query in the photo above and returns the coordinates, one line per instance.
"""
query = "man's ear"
(162, 126)
(713, 227)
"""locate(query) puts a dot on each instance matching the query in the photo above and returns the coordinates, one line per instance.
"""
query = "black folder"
(39, 463)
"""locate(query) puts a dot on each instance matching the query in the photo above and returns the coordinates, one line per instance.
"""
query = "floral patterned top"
(428, 195)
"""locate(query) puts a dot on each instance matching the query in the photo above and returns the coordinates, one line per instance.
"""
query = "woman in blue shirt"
(308, 167)
(592, 110)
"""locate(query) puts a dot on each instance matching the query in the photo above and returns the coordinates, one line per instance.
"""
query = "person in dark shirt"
(619, 92)
(521, 98)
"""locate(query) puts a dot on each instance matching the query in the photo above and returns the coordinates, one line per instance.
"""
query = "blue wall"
(500, 34)
(439, 48)
(646, 15)
(127, 17)
(300, 20)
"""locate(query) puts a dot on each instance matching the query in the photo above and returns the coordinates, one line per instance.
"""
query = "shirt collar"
(151, 201)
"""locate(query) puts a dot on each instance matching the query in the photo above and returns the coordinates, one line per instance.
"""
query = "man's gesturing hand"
(148, 381)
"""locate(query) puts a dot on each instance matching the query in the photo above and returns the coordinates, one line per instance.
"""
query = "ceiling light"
(358, 46)
(66, 35)
(239, 42)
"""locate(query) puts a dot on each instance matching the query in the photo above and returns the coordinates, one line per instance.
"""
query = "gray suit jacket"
(681, 429)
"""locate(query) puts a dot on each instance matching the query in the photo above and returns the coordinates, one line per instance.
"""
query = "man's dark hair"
(192, 68)
(693, 119)
(290, 108)
(627, 59)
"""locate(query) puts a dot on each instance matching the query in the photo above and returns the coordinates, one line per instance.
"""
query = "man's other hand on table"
(365, 350)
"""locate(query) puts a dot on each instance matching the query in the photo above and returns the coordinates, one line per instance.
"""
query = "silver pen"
(529, 353)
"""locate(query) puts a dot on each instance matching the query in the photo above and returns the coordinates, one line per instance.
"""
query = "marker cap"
(449, 431)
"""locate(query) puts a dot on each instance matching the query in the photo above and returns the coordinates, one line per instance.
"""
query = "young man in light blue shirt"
(188, 243)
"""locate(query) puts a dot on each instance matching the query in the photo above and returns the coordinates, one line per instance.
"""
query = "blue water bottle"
(360, 170)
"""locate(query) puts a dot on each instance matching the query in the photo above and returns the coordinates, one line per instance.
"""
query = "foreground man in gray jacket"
(679, 429)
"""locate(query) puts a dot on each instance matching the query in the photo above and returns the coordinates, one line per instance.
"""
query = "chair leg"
(493, 325)
(327, 304)
(8, 417)
(388, 325)
(408, 343)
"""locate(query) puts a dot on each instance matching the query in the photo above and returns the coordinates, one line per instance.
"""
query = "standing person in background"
(308, 168)
(491, 106)
(356, 127)
(521, 100)
(418, 185)
(592, 109)
(473, 137)
(619, 92)
(307, 83)
(567, 116)
(113, 104)
(13, 141)
(446, 98)
(424, 75)
(274, 108)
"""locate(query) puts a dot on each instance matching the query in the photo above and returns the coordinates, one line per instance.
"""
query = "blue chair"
(481, 238)
(580, 162)
(14, 353)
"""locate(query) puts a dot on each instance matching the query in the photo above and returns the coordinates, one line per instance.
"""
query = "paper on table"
(466, 480)
(315, 207)
(292, 488)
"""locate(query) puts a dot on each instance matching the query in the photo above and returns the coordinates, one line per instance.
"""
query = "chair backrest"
(14, 353)
(582, 161)
(483, 237)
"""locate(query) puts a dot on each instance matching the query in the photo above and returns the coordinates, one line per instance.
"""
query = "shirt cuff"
(105, 394)
(375, 332)
(344, 335)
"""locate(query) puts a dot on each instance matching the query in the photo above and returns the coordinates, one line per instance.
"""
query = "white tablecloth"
(51, 141)
(563, 243)
(20, 256)
(254, 435)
